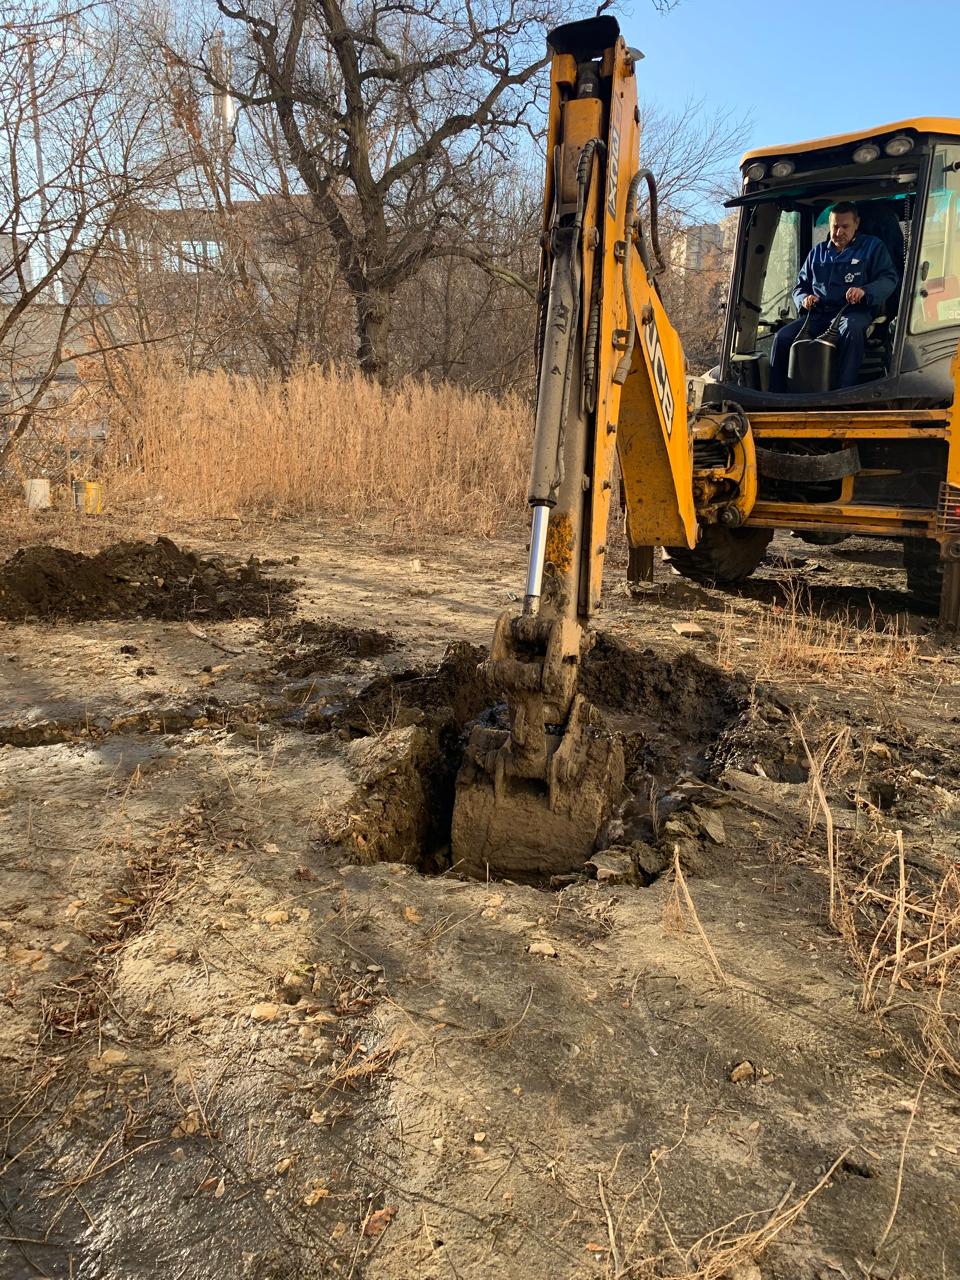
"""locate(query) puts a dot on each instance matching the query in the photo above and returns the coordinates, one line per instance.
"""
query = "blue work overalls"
(828, 273)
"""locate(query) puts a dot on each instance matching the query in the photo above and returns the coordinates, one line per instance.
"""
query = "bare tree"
(73, 152)
(692, 153)
(386, 109)
(387, 179)
(472, 319)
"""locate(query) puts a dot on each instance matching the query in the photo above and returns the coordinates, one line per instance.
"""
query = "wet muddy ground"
(255, 1023)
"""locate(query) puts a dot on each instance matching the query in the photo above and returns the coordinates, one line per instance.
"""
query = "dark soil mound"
(319, 647)
(455, 687)
(685, 695)
(146, 579)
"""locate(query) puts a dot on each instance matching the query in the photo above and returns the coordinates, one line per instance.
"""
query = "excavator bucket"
(531, 799)
(527, 828)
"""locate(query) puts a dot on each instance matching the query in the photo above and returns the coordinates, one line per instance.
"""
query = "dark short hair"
(846, 206)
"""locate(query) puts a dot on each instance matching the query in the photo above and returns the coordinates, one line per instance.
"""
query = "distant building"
(10, 288)
(707, 246)
(697, 248)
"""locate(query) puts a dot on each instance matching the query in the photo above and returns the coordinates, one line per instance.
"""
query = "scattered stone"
(109, 1058)
(745, 1271)
(711, 822)
(294, 986)
(742, 1072)
(266, 1011)
(316, 1193)
(542, 949)
(563, 882)
(613, 866)
(689, 630)
(379, 1220)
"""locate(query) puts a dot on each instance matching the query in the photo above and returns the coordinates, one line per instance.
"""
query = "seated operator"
(847, 270)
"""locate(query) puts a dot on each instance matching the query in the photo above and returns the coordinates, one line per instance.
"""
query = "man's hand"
(811, 300)
(855, 295)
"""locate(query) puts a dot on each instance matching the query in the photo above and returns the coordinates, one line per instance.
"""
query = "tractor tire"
(723, 556)
(921, 559)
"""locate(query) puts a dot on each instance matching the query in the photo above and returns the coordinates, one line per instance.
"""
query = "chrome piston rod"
(538, 547)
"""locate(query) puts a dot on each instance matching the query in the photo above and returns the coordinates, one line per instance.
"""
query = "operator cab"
(905, 180)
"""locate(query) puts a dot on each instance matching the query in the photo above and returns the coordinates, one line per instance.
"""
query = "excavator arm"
(534, 791)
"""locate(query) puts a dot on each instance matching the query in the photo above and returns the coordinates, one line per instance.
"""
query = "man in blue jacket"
(847, 270)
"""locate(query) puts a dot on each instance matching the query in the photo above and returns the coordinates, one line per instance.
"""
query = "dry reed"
(793, 640)
(681, 904)
(320, 442)
(901, 924)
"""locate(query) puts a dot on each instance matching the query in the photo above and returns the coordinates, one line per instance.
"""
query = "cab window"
(936, 301)
(783, 265)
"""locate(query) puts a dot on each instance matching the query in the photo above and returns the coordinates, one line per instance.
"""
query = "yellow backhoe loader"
(710, 466)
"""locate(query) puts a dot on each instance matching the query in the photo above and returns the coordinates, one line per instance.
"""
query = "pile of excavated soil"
(134, 579)
(455, 687)
(316, 648)
(693, 697)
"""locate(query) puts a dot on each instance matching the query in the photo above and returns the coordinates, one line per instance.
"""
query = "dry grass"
(908, 946)
(901, 923)
(898, 916)
(679, 906)
(436, 458)
(633, 1217)
(718, 1254)
(794, 641)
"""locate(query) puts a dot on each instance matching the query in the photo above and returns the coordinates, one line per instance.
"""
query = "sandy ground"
(233, 1046)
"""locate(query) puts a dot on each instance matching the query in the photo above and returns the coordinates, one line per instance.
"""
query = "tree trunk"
(373, 325)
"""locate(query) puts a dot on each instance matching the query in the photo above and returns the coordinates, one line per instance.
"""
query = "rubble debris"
(613, 866)
(688, 630)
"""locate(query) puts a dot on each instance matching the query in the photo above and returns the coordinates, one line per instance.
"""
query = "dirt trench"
(407, 731)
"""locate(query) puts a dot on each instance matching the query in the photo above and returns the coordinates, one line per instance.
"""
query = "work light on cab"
(899, 146)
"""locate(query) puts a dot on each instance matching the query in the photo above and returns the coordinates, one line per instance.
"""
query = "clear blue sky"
(868, 62)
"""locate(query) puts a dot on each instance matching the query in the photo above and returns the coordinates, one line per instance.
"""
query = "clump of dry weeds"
(793, 640)
(900, 920)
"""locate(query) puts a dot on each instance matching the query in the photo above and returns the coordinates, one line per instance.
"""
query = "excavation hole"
(405, 736)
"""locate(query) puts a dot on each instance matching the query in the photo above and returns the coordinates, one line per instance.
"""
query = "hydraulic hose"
(633, 231)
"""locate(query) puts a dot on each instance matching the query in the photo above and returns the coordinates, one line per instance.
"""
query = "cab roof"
(921, 124)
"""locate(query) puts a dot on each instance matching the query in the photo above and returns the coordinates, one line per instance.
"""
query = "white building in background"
(706, 246)
(9, 283)
(697, 248)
